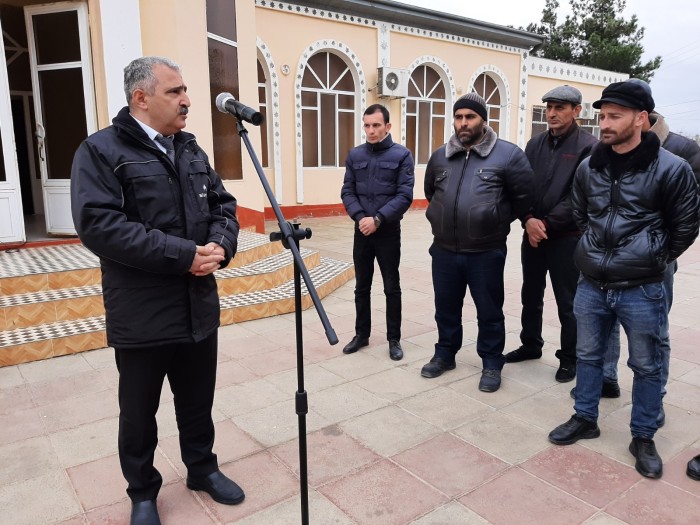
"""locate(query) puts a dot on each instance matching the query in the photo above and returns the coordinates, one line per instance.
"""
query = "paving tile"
(271, 362)
(345, 401)
(357, 365)
(525, 500)
(509, 393)
(316, 378)
(86, 443)
(247, 397)
(15, 398)
(320, 511)
(44, 499)
(55, 390)
(10, 376)
(382, 494)
(444, 407)
(389, 430)
(505, 437)
(100, 482)
(49, 369)
(542, 410)
(26, 459)
(232, 373)
(684, 395)
(450, 465)
(583, 473)
(603, 518)
(394, 384)
(675, 471)
(265, 480)
(654, 502)
(76, 411)
(331, 454)
(452, 513)
(23, 424)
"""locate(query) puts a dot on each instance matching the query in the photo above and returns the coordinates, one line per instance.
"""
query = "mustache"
(184, 110)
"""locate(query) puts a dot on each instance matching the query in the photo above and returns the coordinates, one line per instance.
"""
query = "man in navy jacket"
(377, 191)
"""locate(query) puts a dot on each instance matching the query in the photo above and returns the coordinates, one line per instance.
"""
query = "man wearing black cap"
(477, 185)
(550, 231)
(637, 205)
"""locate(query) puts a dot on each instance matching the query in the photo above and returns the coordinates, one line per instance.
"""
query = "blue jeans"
(612, 355)
(482, 273)
(641, 310)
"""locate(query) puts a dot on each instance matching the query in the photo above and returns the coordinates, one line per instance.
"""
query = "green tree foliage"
(595, 35)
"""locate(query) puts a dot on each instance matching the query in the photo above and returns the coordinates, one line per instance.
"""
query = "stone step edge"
(269, 265)
(319, 275)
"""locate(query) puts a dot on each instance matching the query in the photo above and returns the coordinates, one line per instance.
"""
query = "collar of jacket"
(125, 122)
(561, 138)
(648, 151)
(483, 148)
(383, 144)
(660, 128)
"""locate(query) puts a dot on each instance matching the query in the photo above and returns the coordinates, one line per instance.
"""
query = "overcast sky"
(671, 31)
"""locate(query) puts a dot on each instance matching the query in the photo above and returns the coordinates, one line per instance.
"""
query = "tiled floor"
(385, 446)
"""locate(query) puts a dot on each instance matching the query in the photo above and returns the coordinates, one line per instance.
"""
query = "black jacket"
(378, 181)
(476, 193)
(144, 218)
(679, 145)
(554, 163)
(634, 225)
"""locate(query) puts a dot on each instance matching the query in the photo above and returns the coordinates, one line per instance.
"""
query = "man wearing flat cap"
(550, 231)
(476, 184)
(637, 205)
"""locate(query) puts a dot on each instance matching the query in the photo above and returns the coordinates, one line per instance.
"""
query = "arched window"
(425, 113)
(327, 110)
(486, 87)
(264, 127)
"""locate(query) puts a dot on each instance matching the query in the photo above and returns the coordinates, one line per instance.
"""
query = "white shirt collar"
(152, 133)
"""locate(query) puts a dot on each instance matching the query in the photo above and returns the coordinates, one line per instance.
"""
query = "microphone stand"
(291, 235)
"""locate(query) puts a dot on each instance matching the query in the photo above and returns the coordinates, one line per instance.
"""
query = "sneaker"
(522, 354)
(490, 380)
(436, 367)
(610, 389)
(648, 462)
(693, 470)
(574, 429)
(565, 373)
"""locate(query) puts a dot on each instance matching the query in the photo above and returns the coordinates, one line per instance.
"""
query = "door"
(11, 219)
(64, 101)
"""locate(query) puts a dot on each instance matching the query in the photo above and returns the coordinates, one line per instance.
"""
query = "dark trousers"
(385, 246)
(555, 256)
(482, 273)
(191, 372)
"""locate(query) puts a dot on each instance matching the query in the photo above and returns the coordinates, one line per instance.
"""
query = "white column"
(121, 35)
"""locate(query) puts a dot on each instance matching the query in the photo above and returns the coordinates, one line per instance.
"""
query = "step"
(21, 345)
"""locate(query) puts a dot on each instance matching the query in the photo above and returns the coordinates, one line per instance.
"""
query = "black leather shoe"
(435, 367)
(661, 418)
(565, 373)
(610, 389)
(693, 469)
(490, 380)
(144, 513)
(219, 487)
(395, 350)
(574, 429)
(648, 462)
(522, 354)
(355, 344)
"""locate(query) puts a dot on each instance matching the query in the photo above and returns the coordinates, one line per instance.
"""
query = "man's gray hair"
(139, 74)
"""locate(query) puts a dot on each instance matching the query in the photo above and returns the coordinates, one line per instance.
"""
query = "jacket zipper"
(459, 190)
(614, 201)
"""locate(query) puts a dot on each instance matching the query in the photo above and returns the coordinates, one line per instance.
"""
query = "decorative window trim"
(351, 58)
(443, 70)
(273, 110)
(503, 85)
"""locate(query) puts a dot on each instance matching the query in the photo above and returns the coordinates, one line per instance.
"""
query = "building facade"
(311, 67)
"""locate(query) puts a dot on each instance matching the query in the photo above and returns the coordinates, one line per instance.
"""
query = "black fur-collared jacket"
(636, 224)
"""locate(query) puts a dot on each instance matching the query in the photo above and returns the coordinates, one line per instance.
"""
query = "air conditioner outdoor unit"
(392, 82)
(587, 111)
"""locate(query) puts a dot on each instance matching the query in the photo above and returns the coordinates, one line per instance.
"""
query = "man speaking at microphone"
(146, 201)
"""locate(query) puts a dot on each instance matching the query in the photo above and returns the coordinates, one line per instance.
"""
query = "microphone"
(226, 103)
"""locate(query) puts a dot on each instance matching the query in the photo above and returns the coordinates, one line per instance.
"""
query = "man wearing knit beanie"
(476, 185)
